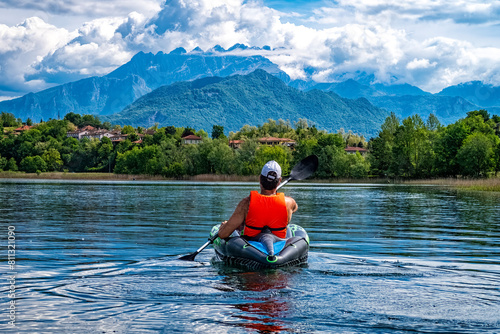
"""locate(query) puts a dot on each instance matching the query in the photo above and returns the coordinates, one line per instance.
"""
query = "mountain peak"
(217, 48)
(238, 46)
(178, 51)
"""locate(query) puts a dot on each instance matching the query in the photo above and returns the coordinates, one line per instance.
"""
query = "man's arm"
(237, 218)
(291, 206)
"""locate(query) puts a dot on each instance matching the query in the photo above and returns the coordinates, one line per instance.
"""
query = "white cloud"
(21, 46)
(351, 36)
(84, 8)
(419, 64)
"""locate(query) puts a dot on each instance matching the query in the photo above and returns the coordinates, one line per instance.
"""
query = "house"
(91, 132)
(191, 139)
(235, 143)
(353, 150)
(22, 129)
(98, 134)
(272, 141)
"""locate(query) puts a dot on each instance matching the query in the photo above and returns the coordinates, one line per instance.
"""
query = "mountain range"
(248, 99)
(143, 73)
(113, 93)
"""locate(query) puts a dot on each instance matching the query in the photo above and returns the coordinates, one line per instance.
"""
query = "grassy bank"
(124, 177)
(76, 176)
(491, 184)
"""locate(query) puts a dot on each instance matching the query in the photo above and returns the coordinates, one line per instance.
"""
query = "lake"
(102, 257)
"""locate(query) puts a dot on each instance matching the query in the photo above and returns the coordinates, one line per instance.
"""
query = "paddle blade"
(305, 168)
(189, 257)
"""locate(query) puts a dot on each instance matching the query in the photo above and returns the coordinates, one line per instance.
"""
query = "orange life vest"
(267, 211)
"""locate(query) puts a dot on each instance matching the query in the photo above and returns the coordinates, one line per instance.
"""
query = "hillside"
(248, 99)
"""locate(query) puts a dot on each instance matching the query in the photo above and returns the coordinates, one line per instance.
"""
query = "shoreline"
(491, 184)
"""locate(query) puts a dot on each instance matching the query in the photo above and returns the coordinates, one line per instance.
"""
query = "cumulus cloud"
(461, 11)
(86, 8)
(97, 50)
(349, 36)
(21, 46)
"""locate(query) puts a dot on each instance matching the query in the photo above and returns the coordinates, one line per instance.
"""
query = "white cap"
(271, 167)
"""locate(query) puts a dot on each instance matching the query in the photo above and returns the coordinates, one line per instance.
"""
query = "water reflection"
(264, 310)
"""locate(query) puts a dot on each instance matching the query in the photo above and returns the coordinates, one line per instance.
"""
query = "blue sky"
(428, 43)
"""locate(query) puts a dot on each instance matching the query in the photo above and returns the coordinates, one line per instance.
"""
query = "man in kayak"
(266, 209)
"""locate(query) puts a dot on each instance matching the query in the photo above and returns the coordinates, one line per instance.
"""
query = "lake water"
(102, 257)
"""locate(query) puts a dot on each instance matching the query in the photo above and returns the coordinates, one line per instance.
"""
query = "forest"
(411, 148)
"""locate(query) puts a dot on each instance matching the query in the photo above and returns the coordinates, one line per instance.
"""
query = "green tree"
(413, 154)
(280, 154)
(148, 160)
(381, 147)
(53, 160)
(74, 118)
(33, 164)
(218, 132)
(128, 129)
(11, 165)
(246, 158)
(221, 157)
(476, 156)
(3, 163)
(359, 167)
(8, 120)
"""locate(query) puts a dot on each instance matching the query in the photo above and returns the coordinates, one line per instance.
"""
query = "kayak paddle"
(305, 168)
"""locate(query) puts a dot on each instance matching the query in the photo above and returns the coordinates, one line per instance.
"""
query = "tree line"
(408, 148)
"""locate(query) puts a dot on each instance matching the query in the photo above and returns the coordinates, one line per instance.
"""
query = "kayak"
(264, 251)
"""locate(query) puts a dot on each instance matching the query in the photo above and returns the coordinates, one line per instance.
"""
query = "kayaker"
(260, 210)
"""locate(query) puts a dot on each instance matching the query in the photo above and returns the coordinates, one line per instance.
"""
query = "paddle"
(305, 168)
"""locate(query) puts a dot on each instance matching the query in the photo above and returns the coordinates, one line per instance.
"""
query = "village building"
(270, 141)
(353, 150)
(191, 139)
(22, 129)
(236, 143)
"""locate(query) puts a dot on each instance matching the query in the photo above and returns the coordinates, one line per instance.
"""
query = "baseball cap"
(271, 170)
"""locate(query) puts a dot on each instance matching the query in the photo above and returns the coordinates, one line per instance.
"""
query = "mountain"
(248, 99)
(448, 109)
(475, 92)
(406, 100)
(353, 89)
(143, 73)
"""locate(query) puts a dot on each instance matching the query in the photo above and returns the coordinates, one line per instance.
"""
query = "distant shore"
(491, 184)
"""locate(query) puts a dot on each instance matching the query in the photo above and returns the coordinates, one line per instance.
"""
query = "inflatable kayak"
(264, 250)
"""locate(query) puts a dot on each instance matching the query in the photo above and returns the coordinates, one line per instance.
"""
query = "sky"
(431, 44)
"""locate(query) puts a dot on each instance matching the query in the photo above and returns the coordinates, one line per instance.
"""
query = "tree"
(218, 132)
(246, 163)
(280, 154)
(33, 164)
(127, 129)
(221, 158)
(29, 122)
(52, 158)
(483, 113)
(8, 120)
(170, 130)
(381, 147)
(11, 165)
(187, 131)
(413, 154)
(476, 156)
(3, 163)
(73, 118)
